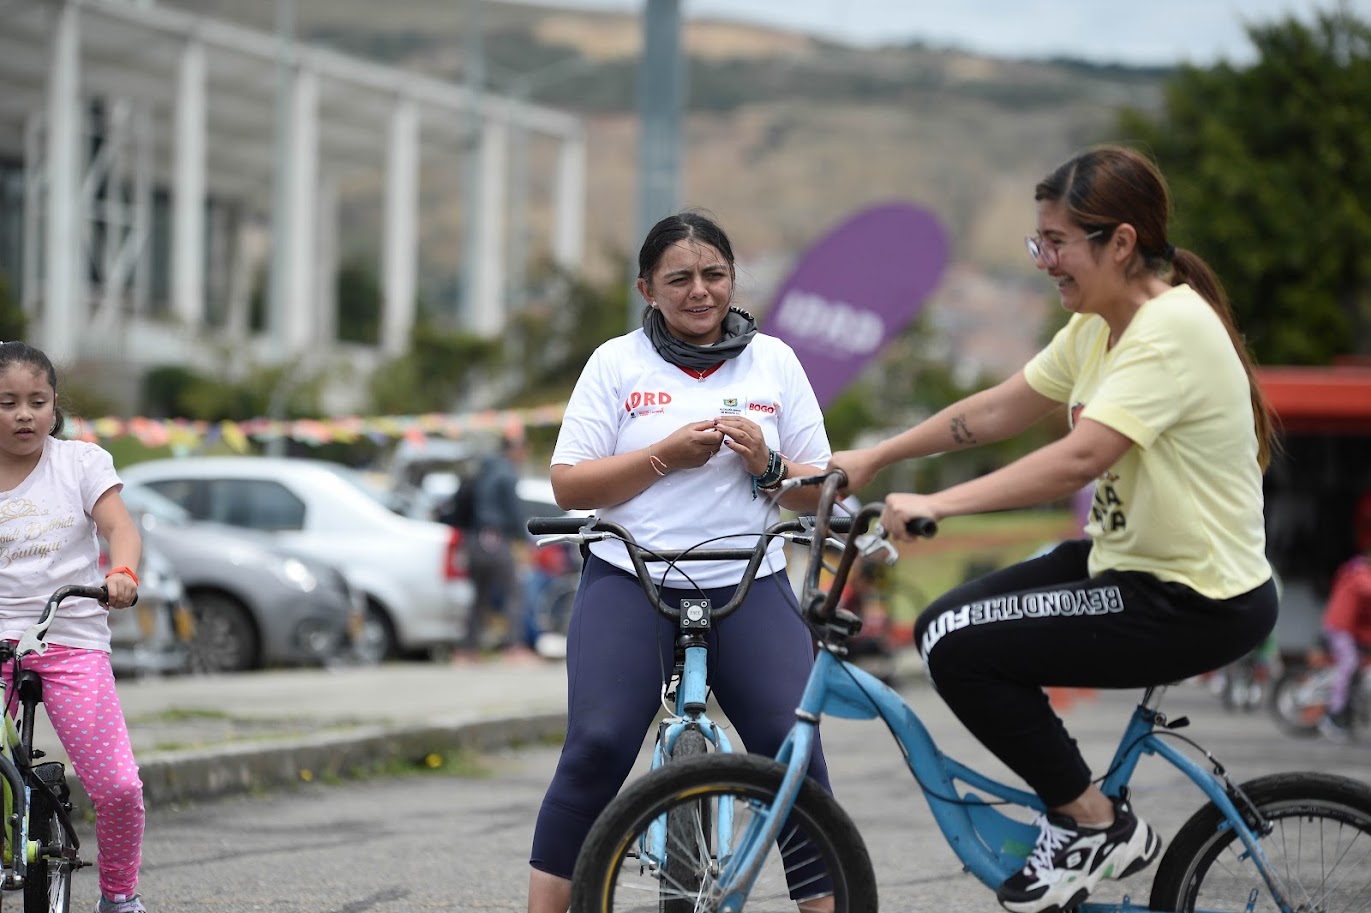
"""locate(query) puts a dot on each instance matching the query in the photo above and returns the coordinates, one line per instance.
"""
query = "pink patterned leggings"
(83, 706)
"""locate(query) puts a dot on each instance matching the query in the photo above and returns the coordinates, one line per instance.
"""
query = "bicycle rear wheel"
(687, 824)
(47, 888)
(821, 851)
(1319, 850)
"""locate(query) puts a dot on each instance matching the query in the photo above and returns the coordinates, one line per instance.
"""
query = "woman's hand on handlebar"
(901, 508)
(860, 466)
(122, 590)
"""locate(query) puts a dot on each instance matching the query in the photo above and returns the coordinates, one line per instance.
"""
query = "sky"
(1137, 32)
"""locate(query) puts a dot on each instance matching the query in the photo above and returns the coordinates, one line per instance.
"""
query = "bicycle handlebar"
(593, 529)
(813, 530)
(819, 604)
(32, 641)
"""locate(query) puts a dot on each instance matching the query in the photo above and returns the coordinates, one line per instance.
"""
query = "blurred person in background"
(497, 522)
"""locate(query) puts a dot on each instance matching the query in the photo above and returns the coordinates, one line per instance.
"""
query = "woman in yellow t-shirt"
(1167, 421)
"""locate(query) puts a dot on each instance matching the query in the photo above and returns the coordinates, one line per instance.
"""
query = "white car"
(412, 572)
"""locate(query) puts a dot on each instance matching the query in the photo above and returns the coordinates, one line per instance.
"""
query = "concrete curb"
(348, 749)
(200, 774)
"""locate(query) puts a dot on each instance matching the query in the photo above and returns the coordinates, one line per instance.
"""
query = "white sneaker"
(1070, 860)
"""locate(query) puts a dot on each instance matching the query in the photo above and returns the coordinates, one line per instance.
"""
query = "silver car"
(153, 636)
(252, 604)
(412, 573)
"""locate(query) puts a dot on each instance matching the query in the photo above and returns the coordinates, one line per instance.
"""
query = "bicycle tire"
(1299, 700)
(820, 838)
(47, 887)
(1319, 849)
(686, 824)
(553, 612)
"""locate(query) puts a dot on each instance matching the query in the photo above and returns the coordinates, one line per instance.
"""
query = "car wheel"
(377, 641)
(225, 639)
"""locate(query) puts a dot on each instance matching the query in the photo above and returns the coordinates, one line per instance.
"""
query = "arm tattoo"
(961, 433)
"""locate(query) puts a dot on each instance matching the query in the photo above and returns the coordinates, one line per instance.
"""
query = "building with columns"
(140, 147)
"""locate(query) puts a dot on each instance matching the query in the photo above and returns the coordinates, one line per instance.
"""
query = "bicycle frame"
(991, 844)
(988, 842)
(17, 756)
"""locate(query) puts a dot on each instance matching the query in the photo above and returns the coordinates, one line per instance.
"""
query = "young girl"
(55, 496)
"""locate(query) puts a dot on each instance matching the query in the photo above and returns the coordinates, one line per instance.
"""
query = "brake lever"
(874, 544)
(577, 538)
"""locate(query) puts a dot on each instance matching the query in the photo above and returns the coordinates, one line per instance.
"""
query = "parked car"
(411, 573)
(151, 637)
(254, 605)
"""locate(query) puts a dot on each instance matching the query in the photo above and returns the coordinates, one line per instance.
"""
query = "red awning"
(1324, 400)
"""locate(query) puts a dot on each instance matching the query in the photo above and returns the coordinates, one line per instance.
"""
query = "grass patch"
(183, 714)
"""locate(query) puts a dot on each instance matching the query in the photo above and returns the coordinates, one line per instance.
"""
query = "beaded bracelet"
(772, 476)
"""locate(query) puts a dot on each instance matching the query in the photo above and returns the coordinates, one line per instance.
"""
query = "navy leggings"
(993, 644)
(619, 651)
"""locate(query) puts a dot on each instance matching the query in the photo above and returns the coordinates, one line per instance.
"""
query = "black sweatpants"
(993, 644)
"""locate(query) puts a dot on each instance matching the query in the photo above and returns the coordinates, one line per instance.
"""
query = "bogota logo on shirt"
(731, 406)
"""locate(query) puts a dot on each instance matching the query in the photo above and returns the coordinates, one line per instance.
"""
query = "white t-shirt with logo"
(48, 540)
(628, 397)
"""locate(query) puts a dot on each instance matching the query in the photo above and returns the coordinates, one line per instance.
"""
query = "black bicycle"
(40, 846)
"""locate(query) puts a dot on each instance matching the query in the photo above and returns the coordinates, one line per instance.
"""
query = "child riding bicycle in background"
(1347, 629)
(55, 497)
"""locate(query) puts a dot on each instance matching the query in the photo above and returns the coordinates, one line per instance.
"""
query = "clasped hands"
(692, 445)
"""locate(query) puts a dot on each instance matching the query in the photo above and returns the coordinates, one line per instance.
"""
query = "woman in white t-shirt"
(55, 497)
(679, 432)
(1168, 424)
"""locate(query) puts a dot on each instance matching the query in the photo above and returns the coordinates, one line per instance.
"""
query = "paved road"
(438, 842)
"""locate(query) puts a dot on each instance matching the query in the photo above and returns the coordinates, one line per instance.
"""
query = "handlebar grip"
(923, 527)
(552, 526)
(840, 524)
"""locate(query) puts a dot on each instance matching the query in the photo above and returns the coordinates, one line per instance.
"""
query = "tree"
(1269, 166)
(435, 374)
(359, 301)
(13, 322)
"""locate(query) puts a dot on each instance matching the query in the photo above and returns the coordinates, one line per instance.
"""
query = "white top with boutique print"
(48, 540)
(629, 397)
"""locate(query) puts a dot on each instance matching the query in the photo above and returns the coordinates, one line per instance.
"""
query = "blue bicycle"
(686, 730)
(761, 835)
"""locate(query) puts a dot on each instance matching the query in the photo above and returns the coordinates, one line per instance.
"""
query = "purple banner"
(855, 290)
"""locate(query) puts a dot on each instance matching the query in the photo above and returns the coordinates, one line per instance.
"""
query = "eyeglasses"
(1044, 252)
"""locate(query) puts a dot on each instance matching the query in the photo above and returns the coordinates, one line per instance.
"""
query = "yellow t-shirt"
(1185, 504)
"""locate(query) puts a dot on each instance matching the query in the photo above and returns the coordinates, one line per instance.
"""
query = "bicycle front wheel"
(687, 824)
(47, 887)
(1319, 850)
(819, 852)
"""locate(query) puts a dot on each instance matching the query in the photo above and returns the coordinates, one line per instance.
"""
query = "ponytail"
(1188, 268)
